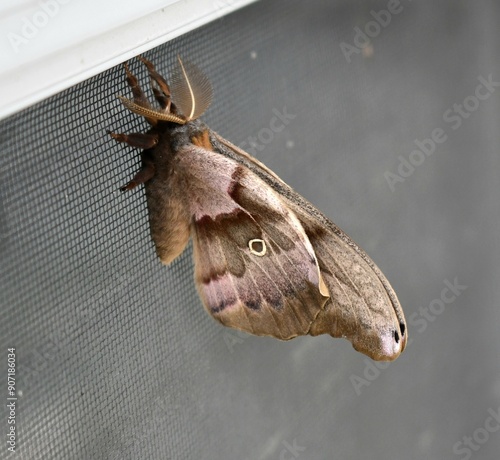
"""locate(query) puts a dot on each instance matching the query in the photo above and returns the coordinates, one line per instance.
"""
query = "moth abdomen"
(169, 222)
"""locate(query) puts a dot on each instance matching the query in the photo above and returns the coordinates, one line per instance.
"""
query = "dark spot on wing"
(275, 299)
(214, 276)
(253, 304)
(222, 305)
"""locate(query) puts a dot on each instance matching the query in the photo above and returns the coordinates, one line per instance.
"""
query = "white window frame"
(47, 46)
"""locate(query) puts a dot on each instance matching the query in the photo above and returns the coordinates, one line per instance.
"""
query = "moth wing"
(362, 307)
(255, 268)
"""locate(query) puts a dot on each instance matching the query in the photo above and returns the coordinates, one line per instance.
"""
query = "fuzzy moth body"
(266, 260)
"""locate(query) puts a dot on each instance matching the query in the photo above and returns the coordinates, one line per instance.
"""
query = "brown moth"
(266, 261)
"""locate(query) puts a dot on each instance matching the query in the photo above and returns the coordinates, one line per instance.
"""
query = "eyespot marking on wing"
(257, 247)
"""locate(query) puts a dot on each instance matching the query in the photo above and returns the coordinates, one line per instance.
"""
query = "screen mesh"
(116, 358)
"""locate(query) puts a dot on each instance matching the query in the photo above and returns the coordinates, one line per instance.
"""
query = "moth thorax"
(257, 247)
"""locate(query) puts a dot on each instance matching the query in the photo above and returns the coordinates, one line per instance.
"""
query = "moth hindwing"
(266, 261)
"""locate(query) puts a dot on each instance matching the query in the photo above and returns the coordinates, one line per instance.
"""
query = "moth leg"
(139, 96)
(139, 140)
(146, 173)
(160, 87)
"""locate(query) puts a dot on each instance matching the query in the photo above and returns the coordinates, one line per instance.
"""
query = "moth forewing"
(364, 308)
(266, 260)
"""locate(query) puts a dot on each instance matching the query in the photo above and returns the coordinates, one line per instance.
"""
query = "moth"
(266, 260)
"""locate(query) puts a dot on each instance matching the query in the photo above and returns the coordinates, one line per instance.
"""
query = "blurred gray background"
(117, 358)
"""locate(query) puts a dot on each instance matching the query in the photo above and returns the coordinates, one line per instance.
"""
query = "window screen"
(115, 356)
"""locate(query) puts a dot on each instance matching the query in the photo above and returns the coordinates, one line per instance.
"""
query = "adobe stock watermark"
(470, 444)
(255, 144)
(221, 5)
(234, 337)
(420, 321)
(454, 117)
(372, 29)
(31, 26)
(291, 451)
